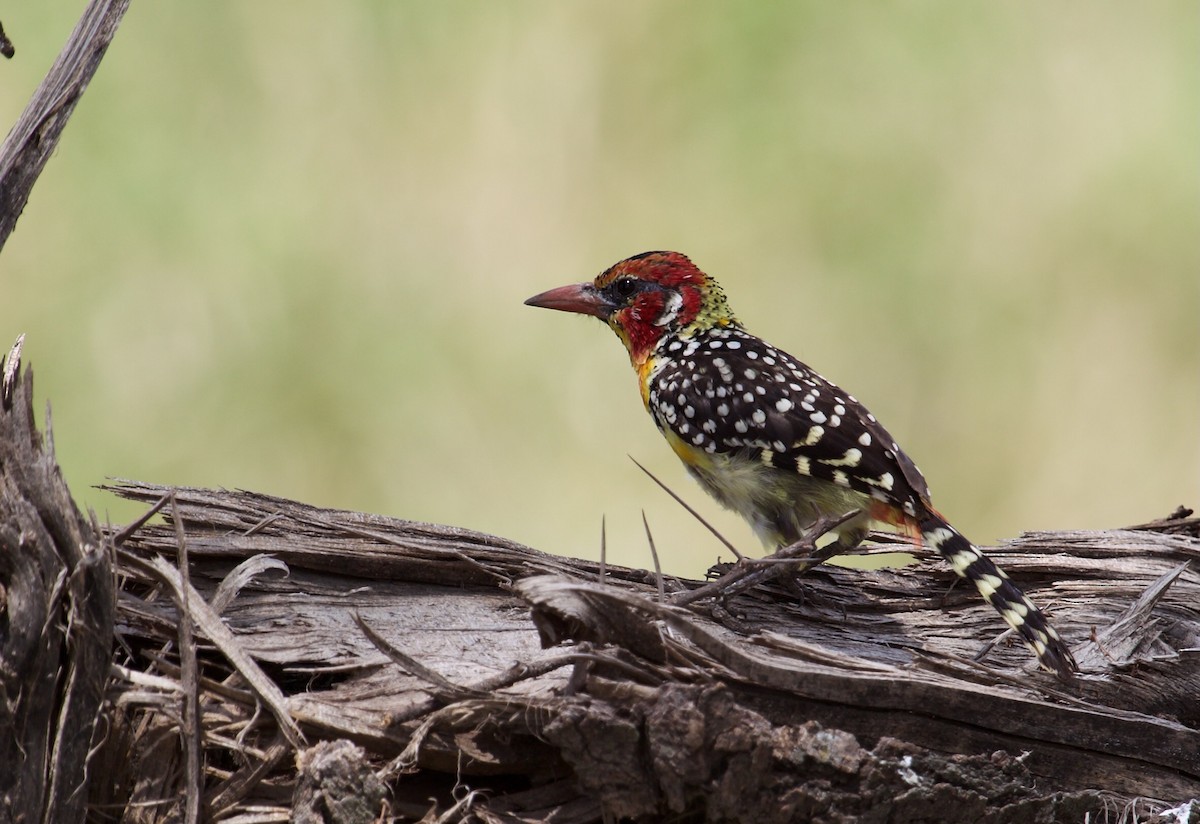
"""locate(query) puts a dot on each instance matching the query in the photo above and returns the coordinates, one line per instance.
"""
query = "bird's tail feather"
(999, 591)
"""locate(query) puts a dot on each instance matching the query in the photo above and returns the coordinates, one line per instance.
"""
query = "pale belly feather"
(779, 504)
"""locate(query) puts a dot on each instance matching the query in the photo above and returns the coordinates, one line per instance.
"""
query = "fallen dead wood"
(35, 135)
(56, 619)
(876, 656)
(346, 666)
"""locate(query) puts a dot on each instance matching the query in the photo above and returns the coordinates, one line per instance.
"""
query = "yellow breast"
(645, 371)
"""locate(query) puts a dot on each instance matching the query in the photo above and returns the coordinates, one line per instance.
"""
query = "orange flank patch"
(894, 516)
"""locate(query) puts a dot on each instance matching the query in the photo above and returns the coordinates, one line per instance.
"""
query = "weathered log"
(880, 659)
(35, 135)
(57, 594)
(57, 606)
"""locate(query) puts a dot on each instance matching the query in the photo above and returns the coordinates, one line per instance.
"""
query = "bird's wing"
(735, 392)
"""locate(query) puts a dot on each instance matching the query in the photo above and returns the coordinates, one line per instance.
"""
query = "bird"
(770, 438)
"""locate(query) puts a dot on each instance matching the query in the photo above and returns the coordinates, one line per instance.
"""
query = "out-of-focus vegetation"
(284, 247)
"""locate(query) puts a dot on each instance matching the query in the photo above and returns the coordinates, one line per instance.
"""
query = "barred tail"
(999, 591)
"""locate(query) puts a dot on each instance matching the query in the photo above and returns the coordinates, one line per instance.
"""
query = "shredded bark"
(35, 135)
(57, 606)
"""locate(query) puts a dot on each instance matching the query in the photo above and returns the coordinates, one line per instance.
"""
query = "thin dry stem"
(658, 575)
(691, 511)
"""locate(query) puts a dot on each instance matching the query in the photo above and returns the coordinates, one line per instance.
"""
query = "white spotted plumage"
(769, 437)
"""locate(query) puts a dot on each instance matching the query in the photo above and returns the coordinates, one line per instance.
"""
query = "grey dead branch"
(326, 666)
(243, 658)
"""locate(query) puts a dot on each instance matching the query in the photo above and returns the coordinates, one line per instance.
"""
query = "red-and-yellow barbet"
(770, 438)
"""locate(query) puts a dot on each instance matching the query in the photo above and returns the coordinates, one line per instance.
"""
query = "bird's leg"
(805, 547)
(848, 537)
(800, 555)
(848, 540)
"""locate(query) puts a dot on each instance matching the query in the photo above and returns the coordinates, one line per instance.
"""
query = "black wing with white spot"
(726, 390)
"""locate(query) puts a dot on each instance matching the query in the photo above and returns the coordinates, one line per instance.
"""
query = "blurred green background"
(284, 247)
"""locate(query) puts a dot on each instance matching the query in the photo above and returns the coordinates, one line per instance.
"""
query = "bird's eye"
(625, 287)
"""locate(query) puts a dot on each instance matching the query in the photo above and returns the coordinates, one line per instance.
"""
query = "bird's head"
(646, 298)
